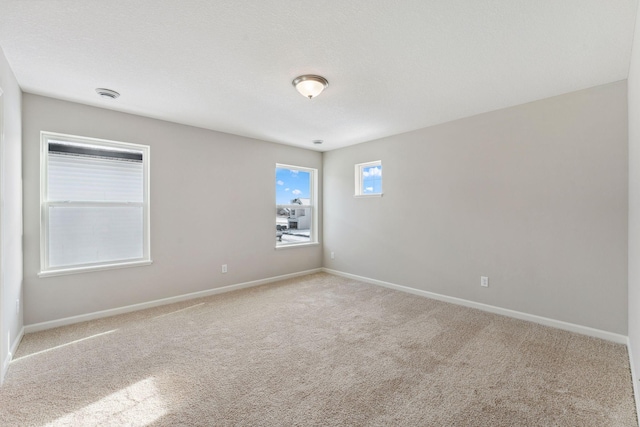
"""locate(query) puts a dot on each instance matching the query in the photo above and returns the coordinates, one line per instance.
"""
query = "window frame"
(45, 269)
(359, 181)
(313, 205)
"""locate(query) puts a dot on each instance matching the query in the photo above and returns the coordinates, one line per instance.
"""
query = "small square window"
(369, 179)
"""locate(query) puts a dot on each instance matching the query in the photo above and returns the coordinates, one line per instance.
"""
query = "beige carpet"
(316, 351)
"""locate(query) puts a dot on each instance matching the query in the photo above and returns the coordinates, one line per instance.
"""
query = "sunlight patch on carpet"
(138, 405)
(62, 345)
(178, 311)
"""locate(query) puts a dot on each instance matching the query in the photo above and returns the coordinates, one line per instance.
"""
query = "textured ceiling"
(392, 66)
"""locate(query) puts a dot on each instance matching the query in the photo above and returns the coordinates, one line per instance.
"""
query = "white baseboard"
(571, 327)
(584, 330)
(16, 342)
(135, 307)
(5, 366)
(634, 380)
(12, 351)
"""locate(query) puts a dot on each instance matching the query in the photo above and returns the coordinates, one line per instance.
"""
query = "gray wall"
(533, 196)
(212, 202)
(10, 212)
(634, 202)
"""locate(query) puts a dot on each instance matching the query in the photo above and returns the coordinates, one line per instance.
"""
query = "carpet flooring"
(319, 350)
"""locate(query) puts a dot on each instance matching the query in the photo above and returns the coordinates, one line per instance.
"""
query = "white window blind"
(80, 177)
(95, 206)
(86, 235)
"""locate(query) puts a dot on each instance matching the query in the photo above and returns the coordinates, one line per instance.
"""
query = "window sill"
(366, 196)
(296, 245)
(76, 270)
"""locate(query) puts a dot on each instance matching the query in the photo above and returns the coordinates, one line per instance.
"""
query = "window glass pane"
(370, 179)
(82, 235)
(293, 187)
(294, 205)
(293, 225)
(92, 150)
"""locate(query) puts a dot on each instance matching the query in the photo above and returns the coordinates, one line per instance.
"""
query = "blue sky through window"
(372, 179)
(292, 184)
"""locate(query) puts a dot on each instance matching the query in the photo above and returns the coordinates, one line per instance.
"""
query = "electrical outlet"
(333, 255)
(224, 268)
(484, 281)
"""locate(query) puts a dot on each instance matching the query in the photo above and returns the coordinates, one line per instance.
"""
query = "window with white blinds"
(95, 204)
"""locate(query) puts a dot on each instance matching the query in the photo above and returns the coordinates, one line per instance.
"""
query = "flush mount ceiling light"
(309, 85)
(318, 141)
(107, 93)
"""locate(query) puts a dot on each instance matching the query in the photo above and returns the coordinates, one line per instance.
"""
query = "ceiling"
(392, 66)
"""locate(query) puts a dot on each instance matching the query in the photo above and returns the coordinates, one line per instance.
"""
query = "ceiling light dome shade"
(309, 85)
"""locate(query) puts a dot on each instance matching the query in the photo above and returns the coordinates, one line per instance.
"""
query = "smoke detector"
(107, 93)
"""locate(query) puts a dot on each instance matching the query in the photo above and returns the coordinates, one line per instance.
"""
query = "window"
(369, 179)
(296, 219)
(94, 200)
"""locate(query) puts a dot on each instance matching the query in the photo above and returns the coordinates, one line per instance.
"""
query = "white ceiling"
(392, 66)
